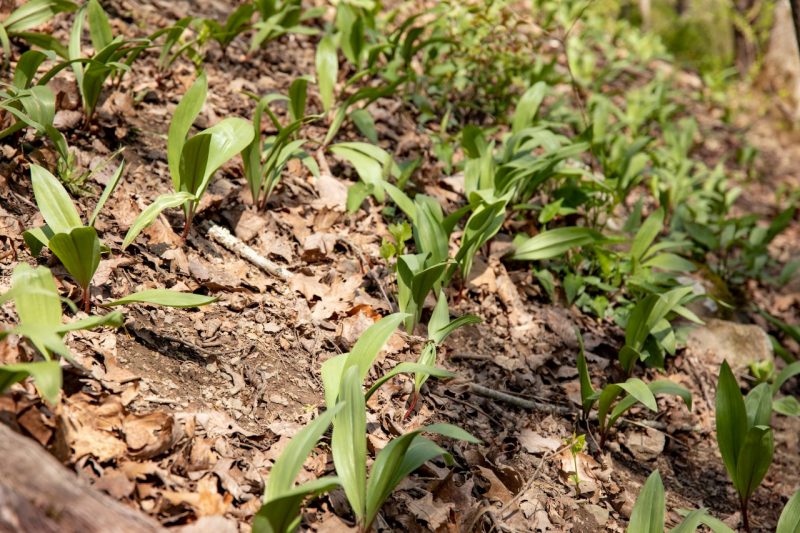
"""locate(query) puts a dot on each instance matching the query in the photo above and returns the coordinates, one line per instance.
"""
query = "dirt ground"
(181, 412)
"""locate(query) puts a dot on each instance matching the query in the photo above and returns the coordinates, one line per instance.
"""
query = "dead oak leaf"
(207, 501)
(435, 514)
(149, 435)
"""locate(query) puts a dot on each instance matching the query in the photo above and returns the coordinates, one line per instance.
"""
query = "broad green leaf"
(182, 119)
(165, 297)
(408, 368)
(633, 386)
(297, 98)
(731, 419)
(365, 123)
(788, 372)
(789, 522)
(287, 466)
(714, 524)
(648, 511)
(53, 201)
(99, 27)
(758, 404)
(46, 376)
(646, 235)
(528, 106)
(113, 319)
(663, 386)
(107, 192)
(44, 338)
(79, 252)
(282, 514)
(36, 296)
(691, 522)
(34, 13)
(555, 242)
(146, 217)
(787, 406)
(349, 442)
(206, 152)
(753, 461)
(399, 458)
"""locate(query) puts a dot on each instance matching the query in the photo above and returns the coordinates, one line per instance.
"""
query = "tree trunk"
(37, 493)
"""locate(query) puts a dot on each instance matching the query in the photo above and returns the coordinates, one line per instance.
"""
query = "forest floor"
(180, 413)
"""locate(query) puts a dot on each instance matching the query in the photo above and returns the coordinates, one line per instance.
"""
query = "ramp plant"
(193, 160)
(39, 314)
(744, 435)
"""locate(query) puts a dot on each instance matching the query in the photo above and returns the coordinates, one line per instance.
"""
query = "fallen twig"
(480, 390)
(224, 237)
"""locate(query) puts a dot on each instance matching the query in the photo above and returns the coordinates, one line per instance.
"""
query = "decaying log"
(38, 494)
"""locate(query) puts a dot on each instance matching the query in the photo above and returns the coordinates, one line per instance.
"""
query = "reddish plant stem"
(86, 304)
(745, 518)
(187, 225)
(412, 406)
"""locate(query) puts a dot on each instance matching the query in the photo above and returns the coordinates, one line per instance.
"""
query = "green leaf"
(113, 319)
(35, 296)
(99, 27)
(288, 465)
(788, 372)
(758, 404)
(587, 390)
(34, 13)
(165, 297)
(648, 511)
(366, 125)
(206, 152)
(753, 461)
(107, 192)
(46, 376)
(555, 242)
(182, 119)
(646, 235)
(349, 442)
(79, 252)
(663, 386)
(408, 368)
(364, 352)
(282, 514)
(297, 98)
(789, 522)
(146, 217)
(53, 201)
(731, 420)
(691, 522)
(398, 459)
(327, 63)
(528, 106)
(633, 386)
(787, 406)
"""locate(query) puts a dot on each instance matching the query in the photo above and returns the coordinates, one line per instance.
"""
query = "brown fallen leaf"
(207, 501)
(149, 435)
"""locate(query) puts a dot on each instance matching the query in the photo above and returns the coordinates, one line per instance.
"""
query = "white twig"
(234, 244)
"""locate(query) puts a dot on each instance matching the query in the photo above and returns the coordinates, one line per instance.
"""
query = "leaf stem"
(86, 304)
(745, 518)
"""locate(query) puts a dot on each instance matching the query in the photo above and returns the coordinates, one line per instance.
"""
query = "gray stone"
(739, 344)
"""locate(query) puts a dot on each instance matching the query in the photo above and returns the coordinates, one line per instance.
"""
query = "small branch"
(224, 237)
(486, 392)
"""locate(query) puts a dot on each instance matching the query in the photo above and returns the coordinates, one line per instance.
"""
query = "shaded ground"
(181, 413)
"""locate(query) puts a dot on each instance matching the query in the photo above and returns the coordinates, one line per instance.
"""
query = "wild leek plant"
(789, 521)
(112, 55)
(648, 515)
(26, 17)
(38, 307)
(279, 17)
(609, 405)
(78, 247)
(193, 160)
(785, 405)
(744, 435)
(31, 104)
(265, 159)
